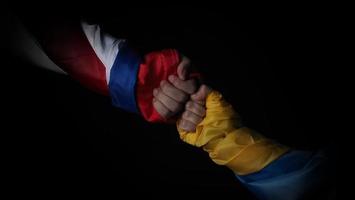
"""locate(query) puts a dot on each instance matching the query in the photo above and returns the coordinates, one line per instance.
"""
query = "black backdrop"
(64, 139)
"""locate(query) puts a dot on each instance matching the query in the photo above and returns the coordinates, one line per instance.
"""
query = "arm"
(107, 65)
(269, 170)
(295, 175)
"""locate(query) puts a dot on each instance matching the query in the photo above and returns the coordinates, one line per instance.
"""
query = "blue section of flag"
(123, 78)
(289, 177)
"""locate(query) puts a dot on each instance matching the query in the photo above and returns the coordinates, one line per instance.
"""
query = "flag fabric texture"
(109, 66)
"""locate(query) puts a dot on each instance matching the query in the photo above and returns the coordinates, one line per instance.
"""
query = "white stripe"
(105, 46)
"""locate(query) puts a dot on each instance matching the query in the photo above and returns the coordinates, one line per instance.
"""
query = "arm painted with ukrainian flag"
(268, 169)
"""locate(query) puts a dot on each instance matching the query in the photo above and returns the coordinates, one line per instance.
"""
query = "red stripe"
(69, 48)
(157, 66)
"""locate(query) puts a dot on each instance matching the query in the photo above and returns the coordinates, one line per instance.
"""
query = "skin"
(170, 98)
(195, 109)
(180, 94)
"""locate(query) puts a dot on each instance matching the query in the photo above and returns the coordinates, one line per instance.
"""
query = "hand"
(194, 110)
(170, 98)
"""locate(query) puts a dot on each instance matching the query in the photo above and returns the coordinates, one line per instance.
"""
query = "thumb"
(183, 68)
(201, 95)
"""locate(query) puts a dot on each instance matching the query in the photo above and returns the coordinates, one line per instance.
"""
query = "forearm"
(268, 169)
(108, 65)
(228, 142)
(295, 175)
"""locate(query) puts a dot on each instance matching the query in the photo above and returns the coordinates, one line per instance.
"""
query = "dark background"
(64, 139)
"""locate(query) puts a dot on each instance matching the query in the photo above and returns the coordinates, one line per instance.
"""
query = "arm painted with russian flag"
(109, 66)
(268, 169)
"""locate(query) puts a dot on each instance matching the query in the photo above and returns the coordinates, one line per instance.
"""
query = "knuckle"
(159, 96)
(165, 87)
(186, 115)
(174, 81)
(189, 105)
(183, 124)
(178, 84)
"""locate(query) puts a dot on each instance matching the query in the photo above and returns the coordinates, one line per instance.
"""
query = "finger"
(173, 92)
(161, 109)
(201, 103)
(187, 126)
(183, 68)
(201, 95)
(191, 117)
(168, 102)
(155, 92)
(188, 86)
(196, 108)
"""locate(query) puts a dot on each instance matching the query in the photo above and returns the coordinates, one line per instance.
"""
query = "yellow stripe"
(228, 143)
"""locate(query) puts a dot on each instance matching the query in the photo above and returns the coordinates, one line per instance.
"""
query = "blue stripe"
(289, 177)
(123, 78)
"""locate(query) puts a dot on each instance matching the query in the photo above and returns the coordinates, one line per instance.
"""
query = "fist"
(172, 95)
(195, 110)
